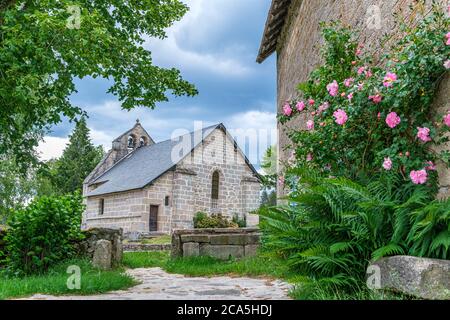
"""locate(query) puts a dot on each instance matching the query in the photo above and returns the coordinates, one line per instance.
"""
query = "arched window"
(142, 142)
(131, 142)
(215, 186)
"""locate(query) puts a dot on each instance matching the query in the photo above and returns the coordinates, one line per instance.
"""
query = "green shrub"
(241, 222)
(43, 233)
(202, 221)
(334, 227)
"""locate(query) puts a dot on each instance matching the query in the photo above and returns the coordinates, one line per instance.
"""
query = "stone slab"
(191, 249)
(222, 252)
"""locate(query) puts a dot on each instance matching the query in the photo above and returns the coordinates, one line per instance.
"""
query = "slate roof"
(146, 164)
(274, 24)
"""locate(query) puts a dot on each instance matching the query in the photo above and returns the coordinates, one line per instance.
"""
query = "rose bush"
(364, 113)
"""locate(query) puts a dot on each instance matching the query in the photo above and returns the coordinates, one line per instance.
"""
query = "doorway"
(153, 219)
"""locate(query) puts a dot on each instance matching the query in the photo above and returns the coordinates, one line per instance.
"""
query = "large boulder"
(419, 277)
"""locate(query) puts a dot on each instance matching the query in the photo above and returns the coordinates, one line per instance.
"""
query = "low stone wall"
(103, 246)
(217, 243)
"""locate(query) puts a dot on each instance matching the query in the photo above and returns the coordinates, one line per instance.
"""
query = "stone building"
(293, 31)
(142, 186)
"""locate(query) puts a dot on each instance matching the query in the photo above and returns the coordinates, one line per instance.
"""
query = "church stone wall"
(300, 41)
(189, 191)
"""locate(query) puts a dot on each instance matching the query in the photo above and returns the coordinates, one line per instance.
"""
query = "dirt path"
(160, 285)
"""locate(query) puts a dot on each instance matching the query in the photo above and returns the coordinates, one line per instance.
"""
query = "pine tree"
(78, 159)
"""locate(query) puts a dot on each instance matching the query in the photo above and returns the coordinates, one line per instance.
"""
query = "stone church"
(292, 31)
(142, 186)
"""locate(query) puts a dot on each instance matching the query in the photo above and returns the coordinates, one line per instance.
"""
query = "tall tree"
(78, 159)
(46, 44)
(269, 178)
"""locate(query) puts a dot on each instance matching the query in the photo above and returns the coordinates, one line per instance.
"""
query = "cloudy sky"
(215, 47)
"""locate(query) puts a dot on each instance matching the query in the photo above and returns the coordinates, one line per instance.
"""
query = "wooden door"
(153, 220)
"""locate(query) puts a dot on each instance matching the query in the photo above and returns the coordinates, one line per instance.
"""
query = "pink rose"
(424, 134)
(389, 79)
(350, 97)
(340, 116)
(393, 120)
(333, 88)
(419, 177)
(300, 106)
(448, 39)
(348, 82)
(376, 98)
(309, 157)
(360, 86)
(368, 73)
(310, 125)
(287, 110)
(311, 102)
(387, 164)
(361, 70)
(430, 166)
(447, 64)
(447, 119)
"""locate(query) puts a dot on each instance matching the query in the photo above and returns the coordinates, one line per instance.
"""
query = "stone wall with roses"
(300, 42)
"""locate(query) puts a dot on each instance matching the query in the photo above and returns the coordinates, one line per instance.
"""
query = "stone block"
(191, 249)
(228, 239)
(195, 238)
(251, 250)
(222, 252)
(419, 277)
(252, 239)
(102, 255)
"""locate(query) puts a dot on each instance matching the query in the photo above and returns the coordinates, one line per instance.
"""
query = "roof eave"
(274, 24)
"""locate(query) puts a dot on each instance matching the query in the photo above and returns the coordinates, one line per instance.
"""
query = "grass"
(165, 239)
(54, 282)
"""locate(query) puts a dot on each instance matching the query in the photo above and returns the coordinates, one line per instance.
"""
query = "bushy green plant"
(43, 233)
(334, 227)
(241, 222)
(202, 221)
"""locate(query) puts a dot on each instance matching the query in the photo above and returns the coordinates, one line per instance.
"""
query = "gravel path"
(156, 284)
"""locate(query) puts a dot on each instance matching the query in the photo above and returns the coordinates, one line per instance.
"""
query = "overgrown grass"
(145, 259)
(54, 282)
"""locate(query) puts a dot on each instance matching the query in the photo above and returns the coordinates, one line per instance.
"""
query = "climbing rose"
(311, 102)
(387, 164)
(287, 110)
(389, 79)
(360, 86)
(376, 98)
(348, 82)
(447, 64)
(310, 125)
(419, 177)
(447, 119)
(423, 134)
(300, 106)
(393, 120)
(350, 97)
(448, 38)
(340, 116)
(309, 157)
(361, 70)
(431, 166)
(333, 88)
